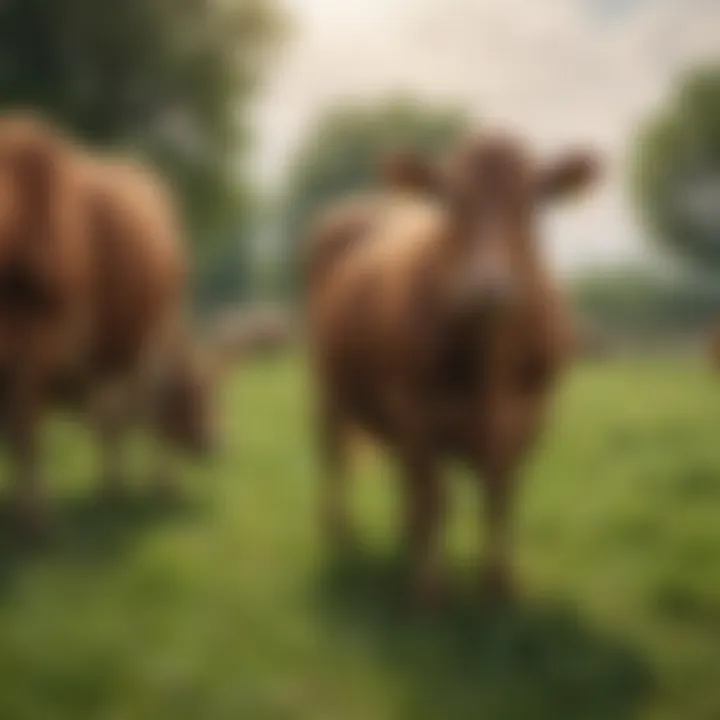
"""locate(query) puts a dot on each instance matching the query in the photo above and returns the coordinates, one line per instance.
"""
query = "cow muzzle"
(487, 297)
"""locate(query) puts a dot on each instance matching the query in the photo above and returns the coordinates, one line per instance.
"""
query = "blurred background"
(260, 111)
(638, 79)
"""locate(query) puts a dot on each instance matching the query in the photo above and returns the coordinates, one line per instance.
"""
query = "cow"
(435, 327)
(93, 275)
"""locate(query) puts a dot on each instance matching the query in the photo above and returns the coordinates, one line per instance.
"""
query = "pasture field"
(227, 608)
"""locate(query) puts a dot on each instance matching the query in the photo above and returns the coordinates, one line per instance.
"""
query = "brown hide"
(382, 326)
(140, 265)
(338, 230)
(45, 263)
(91, 267)
(140, 336)
(435, 326)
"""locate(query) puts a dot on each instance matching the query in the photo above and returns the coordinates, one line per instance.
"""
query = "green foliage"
(170, 78)
(344, 150)
(641, 303)
(676, 172)
(230, 608)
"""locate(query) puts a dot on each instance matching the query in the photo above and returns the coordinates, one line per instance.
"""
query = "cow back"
(139, 262)
(45, 259)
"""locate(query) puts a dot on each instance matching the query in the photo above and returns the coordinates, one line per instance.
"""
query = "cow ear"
(568, 176)
(406, 171)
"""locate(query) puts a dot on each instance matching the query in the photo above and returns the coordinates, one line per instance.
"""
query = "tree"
(343, 151)
(169, 78)
(643, 302)
(676, 172)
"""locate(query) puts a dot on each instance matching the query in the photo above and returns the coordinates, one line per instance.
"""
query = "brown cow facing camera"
(436, 327)
(92, 285)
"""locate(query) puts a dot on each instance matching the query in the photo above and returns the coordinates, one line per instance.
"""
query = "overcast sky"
(560, 71)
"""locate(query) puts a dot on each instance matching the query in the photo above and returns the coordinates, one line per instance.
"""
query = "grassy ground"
(227, 609)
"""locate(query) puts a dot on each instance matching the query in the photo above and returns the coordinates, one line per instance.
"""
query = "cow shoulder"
(378, 303)
(338, 230)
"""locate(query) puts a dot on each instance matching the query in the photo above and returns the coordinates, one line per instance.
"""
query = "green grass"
(228, 608)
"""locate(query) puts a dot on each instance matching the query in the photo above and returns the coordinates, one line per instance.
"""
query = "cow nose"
(485, 296)
(491, 295)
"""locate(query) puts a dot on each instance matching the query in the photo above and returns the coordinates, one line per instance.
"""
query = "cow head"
(492, 190)
(187, 409)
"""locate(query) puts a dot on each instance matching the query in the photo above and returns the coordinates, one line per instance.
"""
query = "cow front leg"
(333, 501)
(508, 427)
(497, 567)
(425, 511)
(110, 417)
(113, 478)
(165, 478)
(508, 437)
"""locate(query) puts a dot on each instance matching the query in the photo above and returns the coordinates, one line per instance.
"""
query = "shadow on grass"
(466, 661)
(85, 529)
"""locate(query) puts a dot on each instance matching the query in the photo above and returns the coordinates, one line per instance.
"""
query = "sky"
(560, 72)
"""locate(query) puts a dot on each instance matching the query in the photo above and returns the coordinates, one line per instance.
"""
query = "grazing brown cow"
(436, 328)
(92, 276)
